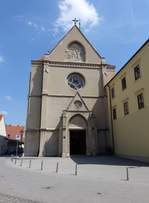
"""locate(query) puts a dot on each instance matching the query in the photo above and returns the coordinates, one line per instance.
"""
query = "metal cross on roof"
(75, 21)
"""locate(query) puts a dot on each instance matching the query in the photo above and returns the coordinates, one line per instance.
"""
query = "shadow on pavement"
(107, 160)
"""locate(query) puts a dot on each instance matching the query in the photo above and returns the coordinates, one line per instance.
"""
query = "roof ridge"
(133, 55)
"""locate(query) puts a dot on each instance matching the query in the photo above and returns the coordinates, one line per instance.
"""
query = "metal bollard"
(41, 165)
(21, 163)
(30, 162)
(76, 170)
(57, 166)
(15, 161)
(127, 174)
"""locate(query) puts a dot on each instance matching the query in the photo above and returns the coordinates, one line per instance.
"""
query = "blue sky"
(29, 28)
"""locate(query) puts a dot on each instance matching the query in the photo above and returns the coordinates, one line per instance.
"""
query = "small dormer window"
(75, 52)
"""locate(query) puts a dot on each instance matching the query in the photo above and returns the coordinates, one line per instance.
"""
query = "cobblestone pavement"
(101, 179)
(10, 199)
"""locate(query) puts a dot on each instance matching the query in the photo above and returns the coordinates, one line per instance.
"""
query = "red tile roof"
(13, 130)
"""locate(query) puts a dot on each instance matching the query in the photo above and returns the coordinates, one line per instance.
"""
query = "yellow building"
(128, 104)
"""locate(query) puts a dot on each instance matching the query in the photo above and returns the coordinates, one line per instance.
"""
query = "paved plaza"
(57, 180)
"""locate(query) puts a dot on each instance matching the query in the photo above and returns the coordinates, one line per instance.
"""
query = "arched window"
(75, 52)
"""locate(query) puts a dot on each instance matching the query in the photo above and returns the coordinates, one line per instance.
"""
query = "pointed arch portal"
(77, 135)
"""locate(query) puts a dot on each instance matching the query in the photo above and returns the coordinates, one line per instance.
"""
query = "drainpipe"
(111, 118)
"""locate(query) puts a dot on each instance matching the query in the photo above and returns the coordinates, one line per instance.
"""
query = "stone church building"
(67, 103)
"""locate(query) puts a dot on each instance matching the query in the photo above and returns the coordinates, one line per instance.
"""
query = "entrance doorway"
(77, 142)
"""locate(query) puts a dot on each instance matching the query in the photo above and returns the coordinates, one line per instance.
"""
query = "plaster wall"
(131, 132)
(60, 54)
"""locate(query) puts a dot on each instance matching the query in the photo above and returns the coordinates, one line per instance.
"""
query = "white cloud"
(2, 59)
(36, 26)
(80, 9)
(30, 23)
(4, 112)
(8, 98)
(42, 28)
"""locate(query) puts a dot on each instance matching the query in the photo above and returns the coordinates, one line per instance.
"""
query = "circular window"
(76, 81)
(78, 104)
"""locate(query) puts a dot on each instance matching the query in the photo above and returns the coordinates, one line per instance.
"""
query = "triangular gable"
(77, 104)
(60, 51)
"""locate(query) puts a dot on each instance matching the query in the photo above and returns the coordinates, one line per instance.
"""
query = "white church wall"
(56, 105)
(60, 53)
(2, 127)
(57, 81)
(3, 139)
(36, 80)
(34, 106)
(32, 139)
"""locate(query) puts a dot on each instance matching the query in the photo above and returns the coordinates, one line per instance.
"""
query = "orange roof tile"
(13, 130)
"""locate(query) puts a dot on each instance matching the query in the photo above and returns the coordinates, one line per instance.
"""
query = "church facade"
(67, 103)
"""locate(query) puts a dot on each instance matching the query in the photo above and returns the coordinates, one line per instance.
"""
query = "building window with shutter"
(123, 82)
(137, 73)
(140, 99)
(126, 108)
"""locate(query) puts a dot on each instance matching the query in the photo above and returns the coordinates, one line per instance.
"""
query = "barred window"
(123, 82)
(126, 108)
(140, 99)
(137, 73)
